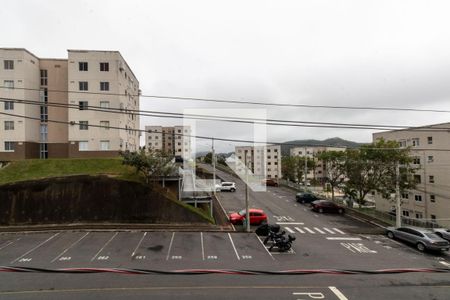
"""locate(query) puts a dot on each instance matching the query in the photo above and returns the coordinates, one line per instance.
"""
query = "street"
(322, 242)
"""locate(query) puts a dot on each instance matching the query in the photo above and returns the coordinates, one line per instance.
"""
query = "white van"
(226, 186)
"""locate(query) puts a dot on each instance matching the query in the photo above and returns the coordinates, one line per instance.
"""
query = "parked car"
(226, 186)
(269, 182)
(326, 206)
(423, 239)
(257, 217)
(306, 197)
(443, 233)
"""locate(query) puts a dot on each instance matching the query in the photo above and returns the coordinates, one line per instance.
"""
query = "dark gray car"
(423, 239)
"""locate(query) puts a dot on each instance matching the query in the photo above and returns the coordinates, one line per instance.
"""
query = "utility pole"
(213, 158)
(306, 169)
(398, 217)
(247, 213)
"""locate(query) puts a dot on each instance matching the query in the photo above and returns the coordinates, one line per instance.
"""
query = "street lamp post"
(247, 213)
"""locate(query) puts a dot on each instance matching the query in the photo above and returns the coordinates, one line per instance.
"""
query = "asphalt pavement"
(322, 242)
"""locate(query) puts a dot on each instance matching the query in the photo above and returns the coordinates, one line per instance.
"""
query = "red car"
(269, 182)
(257, 216)
(326, 206)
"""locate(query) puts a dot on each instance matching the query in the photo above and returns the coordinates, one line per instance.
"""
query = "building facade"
(50, 108)
(174, 140)
(311, 152)
(263, 161)
(430, 149)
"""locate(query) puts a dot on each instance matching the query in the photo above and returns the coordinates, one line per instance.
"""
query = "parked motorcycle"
(279, 240)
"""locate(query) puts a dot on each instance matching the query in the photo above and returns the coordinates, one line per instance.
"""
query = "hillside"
(32, 169)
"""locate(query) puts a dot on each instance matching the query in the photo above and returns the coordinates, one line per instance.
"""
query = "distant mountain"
(332, 142)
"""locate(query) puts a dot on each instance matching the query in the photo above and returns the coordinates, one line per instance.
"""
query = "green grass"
(32, 169)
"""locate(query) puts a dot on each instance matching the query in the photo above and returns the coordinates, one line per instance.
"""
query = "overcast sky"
(345, 53)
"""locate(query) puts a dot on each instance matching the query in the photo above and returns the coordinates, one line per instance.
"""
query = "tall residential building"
(311, 152)
(264, 161)
(175, 140)
(430, 149)
(46, 127)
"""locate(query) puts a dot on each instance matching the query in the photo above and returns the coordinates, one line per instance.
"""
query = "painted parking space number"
(246, 257)
(140, 257)
(25, 259)
(213, 257)
(284, 219)
(103, 257)
(177, 257)
(65, 258)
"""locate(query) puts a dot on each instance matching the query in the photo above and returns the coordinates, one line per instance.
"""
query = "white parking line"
(299, 230)
(99, 251)
(340, 231)
(264, 246)
(290, 223)
(330, 231)
(332, 238)
(235, 251)
(203, 248)
(137, 247)
(319, 231)
(170, 245)
(28, 252)
(67, 249)
(309, 230)
(337, 293)
(289, 229)
(6, 244)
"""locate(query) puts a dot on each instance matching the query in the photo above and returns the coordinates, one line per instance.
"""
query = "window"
(8, 64)
(104, 145)
(430, 140)
(402, 143)
(82, 105)
(416, 160)
(9, 146)
(43, 151)
(433, 198)
(405, 213)
(417, 178)
(275, 150)
(405, 195)
(104, 86)
(433, 217)
(430, 158)
(104, 104)
(83, 66)
(44, 113)
(83, 146)
(105, 124)
(431, 178)
(9, 105)
(418, 198)
(9, 125)
(43, 95)
(419, 215)
(84, 125)
(8, 84)
(43, 132)
(83, 85)
(415, 142)
(104, 67)
(44, 77)
(268, 150)
(269, 163)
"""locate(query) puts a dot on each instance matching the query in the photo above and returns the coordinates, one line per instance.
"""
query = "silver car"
(423, 239)
(443, 233)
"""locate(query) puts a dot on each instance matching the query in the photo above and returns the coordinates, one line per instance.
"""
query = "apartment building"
(45, 126)
(430, 148)
(175, 140)
(263, 161)
(311, 152)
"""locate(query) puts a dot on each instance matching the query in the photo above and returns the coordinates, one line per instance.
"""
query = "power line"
(198, 136)
(246, 102)
(270, 122)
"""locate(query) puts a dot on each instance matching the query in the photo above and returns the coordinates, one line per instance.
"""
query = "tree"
(208, 158)
(152, 164)
(334, 168)
(293, 167)
(373, 168)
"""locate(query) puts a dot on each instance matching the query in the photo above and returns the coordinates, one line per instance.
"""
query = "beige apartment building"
(430, 148)
(263, 161)
(175, 140)
(61, 118)
(311, 152)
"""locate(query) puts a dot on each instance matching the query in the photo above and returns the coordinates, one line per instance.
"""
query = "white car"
(226, 186)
